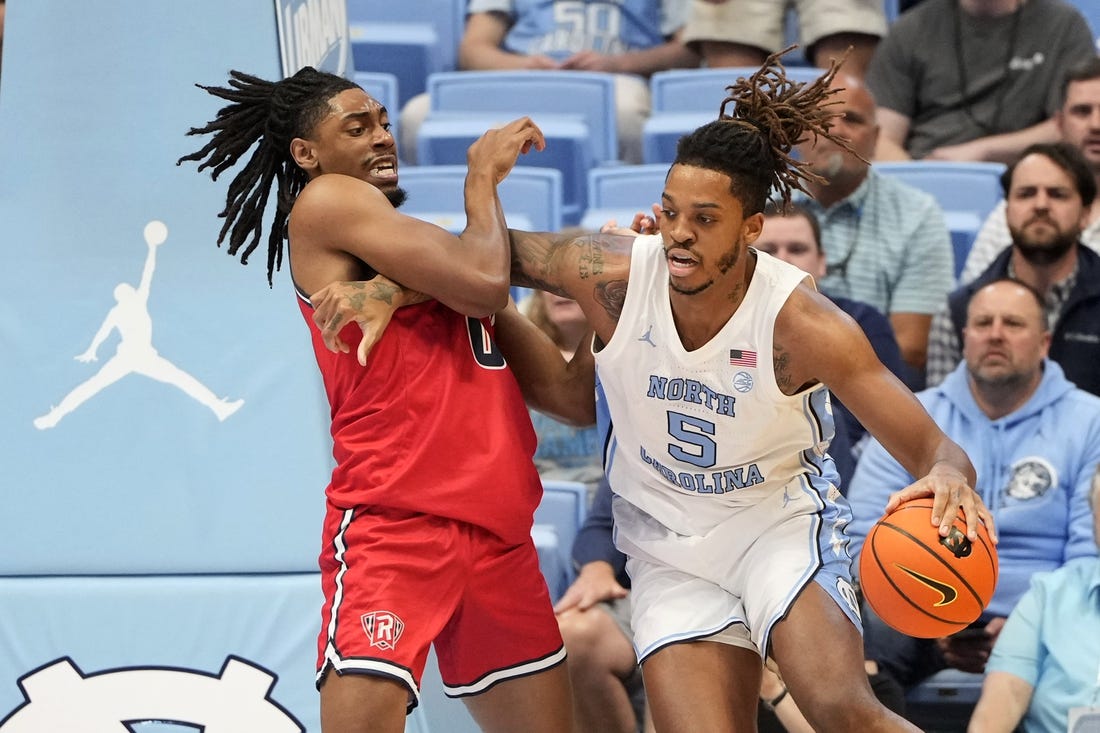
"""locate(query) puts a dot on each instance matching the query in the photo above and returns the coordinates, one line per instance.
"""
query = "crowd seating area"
(403, 49)
(152, 544)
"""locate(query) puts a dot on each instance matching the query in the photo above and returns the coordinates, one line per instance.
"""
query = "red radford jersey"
(435, 422)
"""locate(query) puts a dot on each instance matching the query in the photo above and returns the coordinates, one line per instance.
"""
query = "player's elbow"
(575, 408)
(582, 416)
(488, 294)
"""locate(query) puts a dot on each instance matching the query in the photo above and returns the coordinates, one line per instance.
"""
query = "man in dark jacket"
(1048, 192)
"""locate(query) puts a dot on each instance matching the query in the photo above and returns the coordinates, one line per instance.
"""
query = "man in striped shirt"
(886, 243)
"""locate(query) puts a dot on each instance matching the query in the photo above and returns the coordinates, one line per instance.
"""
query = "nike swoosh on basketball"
(948, 593)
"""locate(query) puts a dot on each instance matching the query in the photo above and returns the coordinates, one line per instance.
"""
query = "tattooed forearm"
(611, 295)
(533, 260)
(558, 262)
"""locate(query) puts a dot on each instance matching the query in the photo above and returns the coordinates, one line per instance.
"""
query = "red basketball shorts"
(397, 582)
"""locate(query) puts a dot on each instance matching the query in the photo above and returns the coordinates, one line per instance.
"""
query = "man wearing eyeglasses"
(886, 243)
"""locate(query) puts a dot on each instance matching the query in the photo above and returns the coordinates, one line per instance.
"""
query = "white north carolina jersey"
(699, 433)
(725, 500)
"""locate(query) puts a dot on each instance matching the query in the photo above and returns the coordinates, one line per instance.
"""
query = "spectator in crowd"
(565, 452)
(631, 39)
(1034, 439)
(795, 237)
(1043, 670)
(886, 243)
(594, 618)
(1048, 194)
(1078, 123)
(744, 32)
(986, 88)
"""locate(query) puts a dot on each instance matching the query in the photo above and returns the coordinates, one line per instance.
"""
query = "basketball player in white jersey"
(715, 361)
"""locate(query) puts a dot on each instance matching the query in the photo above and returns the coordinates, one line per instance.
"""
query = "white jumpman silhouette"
(135, 352)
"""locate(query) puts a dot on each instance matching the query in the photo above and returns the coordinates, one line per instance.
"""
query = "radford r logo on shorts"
(383, 628)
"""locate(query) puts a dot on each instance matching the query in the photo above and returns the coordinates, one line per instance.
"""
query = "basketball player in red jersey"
(427, 533)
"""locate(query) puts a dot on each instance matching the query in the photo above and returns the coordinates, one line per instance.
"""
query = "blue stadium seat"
(944, 701)
(1091, 10)
(795, 57)
(382, 86)
(575, 109)
(562, 510)
(531, 197)
(619, 192)
(684, 99)
(407, 39)
(966, 192)
(892, 9)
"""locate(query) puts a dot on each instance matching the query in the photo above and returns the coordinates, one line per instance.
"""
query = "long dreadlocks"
(752, 143)
(267, 115)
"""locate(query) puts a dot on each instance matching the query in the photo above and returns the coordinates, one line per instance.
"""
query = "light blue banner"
(163, 433)
(162, 410)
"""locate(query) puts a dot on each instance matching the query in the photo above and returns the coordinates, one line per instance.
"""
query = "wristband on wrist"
(776, 700)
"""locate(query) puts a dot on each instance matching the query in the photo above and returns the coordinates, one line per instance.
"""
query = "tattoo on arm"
(611, 295)
(539, 260)
(383, 291)
(532, 255)
(591, 259)
(781, 362)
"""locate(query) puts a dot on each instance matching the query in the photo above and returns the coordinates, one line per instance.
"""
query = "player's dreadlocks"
(270, 114)
(752, 143)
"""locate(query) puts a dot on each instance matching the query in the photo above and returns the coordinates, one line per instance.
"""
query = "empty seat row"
(574, 109)
(967, 193)
(414, 39)
(410, 40)
(576, 112)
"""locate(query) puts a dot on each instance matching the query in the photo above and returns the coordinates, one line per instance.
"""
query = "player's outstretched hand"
(370, 304)
(498, 149)
(950, 494)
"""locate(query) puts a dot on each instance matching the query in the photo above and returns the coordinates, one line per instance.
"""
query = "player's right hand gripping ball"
(920, 583)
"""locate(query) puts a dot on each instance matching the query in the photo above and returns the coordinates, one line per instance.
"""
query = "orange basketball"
(920, 583)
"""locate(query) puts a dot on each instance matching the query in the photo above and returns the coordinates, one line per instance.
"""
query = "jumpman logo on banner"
(135, 353)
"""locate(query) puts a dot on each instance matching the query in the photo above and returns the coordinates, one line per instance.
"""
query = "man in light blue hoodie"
(1034, 439)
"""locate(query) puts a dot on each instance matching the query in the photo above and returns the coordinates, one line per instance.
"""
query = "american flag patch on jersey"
(739, 357)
